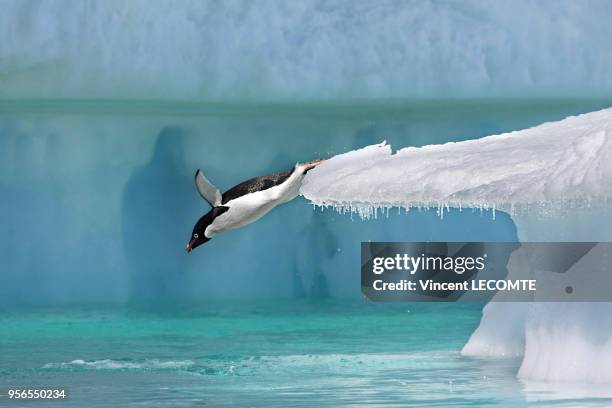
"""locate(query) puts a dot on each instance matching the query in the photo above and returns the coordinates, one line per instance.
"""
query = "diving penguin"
(244, 203)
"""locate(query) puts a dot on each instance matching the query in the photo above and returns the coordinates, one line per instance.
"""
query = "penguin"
(244, 203)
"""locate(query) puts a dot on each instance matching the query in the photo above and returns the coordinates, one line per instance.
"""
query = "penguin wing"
(206, 189)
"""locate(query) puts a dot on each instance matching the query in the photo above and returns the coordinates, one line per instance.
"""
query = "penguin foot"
(312, 164)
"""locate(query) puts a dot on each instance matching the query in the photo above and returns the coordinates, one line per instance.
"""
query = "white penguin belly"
(251, 207)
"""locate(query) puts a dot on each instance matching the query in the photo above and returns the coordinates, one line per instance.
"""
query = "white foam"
(108, 364)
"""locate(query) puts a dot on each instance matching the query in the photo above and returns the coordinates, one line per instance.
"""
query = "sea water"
(281, 353)
(99, 297)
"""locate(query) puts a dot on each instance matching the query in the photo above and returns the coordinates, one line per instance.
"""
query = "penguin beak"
(189, 247)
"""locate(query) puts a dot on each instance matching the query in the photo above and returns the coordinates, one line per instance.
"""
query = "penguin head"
(198, 236)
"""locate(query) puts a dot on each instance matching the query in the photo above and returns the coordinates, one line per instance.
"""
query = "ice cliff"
(557, 176)
(310, 49)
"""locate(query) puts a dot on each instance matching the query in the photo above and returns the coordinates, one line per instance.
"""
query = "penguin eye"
(195, 236)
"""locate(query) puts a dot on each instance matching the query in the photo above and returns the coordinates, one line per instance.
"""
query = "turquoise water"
(279, 354)
(284, 353)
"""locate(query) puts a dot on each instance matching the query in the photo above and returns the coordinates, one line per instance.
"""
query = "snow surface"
(308, 49)
(564, 165)
(555, 165)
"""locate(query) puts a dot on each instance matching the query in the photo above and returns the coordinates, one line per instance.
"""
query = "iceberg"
(306, 50)
(555, 179)
(79, 191)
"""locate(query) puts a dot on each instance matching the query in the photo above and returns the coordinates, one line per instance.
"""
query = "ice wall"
(97, 200)
(303, 49)
(558, 342)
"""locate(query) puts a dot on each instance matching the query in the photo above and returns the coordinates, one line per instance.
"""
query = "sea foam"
(109, 364)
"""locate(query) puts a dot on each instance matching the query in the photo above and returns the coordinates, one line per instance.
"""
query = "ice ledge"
(549, 168)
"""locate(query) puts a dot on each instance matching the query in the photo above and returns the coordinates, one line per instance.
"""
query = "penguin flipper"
(206, 189)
